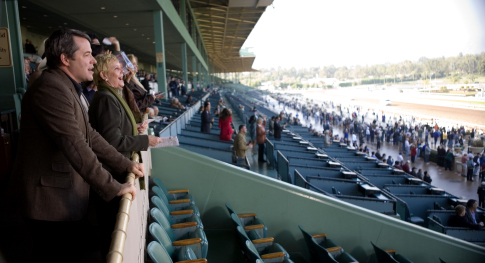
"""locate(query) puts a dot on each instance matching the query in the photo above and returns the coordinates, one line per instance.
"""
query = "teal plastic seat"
(260, 230)
(248, 219)
(385, 257)
(172, 196)
(254, 256)
(176, 232)
(183, 217)
(263, 246)
(411, 218)
(177, 204)
(318, 249)
(176, 252)
(158, 253)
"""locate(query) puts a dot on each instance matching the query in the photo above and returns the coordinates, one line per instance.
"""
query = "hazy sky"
(306, 33)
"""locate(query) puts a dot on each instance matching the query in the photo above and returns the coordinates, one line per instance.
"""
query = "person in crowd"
(481, 195)
(252, 131)
(225, 120)
(420, 174)
(175, 103)
(405, 167)
(143, 98)
(183, 89)
(172, 87)
(111, 113)
(217, 111)
(459, 219)
(240, 145)
(278, 128)
(261, 138)
(206, 117)
(400, 159)
(441, 155)
(427, 177)
(449, 157)
(390, 161)
(397, 165)
(427, 153)
(189, 101)
(413, 153)
(29, 47)
(271, 125)
(413, 172)
(464, 159)
(146, 82)
(482, 167)
(471, 216)
(56, 139)
(469, 165)
(476, 163)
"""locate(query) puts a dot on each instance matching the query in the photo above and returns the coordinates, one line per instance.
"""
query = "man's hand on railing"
(137, 168)
(128, 188)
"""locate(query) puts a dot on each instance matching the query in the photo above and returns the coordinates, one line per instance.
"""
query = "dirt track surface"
(458, 114)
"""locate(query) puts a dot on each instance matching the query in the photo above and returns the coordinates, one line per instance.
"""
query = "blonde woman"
(111, 116)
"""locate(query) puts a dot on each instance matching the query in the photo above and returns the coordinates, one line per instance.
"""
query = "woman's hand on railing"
(136, 168)
(128, 188)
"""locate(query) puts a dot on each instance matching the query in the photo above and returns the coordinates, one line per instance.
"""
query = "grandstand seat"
(175, 231)
(323, 250)
(159, 254)
(248, 219)
(411, 218)
(185, 249)
(274, 256)
(173, 194)
(261, 244)
(176, 205)
(259, 230)
(388, 255)
(175, 217)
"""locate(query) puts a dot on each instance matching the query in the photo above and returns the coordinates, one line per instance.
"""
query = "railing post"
(118, 238)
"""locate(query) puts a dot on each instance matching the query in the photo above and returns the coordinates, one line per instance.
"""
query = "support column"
(199, 75)
(194, 70)
(160, 52)
(183, 12)
(12, 72)
(184, 63)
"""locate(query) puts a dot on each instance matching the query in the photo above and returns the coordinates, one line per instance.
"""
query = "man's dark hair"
(459, 209)
(241, 126)
(60, 42)
(470, 203)
(206, 104)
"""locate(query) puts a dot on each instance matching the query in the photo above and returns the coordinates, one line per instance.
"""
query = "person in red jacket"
(225, 119)
(413, 153)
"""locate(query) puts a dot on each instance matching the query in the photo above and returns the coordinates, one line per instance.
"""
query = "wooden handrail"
(333, 249)
(118, 238)
(182, 212)
(201, 260)
(186, 242)
(390, 250)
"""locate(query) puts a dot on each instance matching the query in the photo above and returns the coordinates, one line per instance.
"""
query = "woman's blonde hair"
(133, 58)
(103, 61)
(259, 121)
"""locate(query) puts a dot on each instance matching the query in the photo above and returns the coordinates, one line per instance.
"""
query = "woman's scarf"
(104, 86)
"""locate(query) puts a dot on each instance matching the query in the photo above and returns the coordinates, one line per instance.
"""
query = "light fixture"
(142, 35)
(148, 38)
(24, 18)
(24, 6)
(65, 23)
(127, 24)
(103, 7)
(45, 15)
(115, 16)
(153, 42)
(134, 29)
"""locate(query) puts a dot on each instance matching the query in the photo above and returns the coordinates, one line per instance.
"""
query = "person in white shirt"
(400, 159)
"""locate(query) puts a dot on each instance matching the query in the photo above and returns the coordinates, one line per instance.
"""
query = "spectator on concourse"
(252, 130)
(206, 117)
(111, 113)
(481, 195)
(471, 216)
(261, 138)
(225, 120)
(449, 159)
(240, 145)
(426, 177)
(56, 140)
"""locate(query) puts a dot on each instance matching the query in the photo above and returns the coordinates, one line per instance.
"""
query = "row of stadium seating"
(176, 232)
(342, 172)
